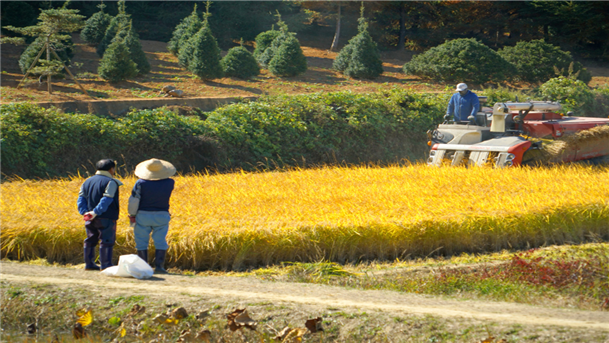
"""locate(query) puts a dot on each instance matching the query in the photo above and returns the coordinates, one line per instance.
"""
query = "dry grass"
(238, 220)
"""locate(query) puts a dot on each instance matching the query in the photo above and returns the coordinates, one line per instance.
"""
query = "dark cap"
(106, 164)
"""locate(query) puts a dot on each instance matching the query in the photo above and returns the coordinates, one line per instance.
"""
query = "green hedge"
(286, 130)
(46, 142)
(327, 128)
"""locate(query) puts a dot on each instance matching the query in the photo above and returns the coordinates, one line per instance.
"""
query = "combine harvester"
(519, 133)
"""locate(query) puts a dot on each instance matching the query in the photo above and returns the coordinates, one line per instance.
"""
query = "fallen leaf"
(231, 319)
(78, 331)
(281, 334)
(295, 335)
(489, 339)
(314, 325)
(137, 309)
(86, 318)
(243, 319)
(179, 313)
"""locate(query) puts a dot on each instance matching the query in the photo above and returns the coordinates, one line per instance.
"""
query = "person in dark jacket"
(462, 104)
(149, 209)
(98, 202)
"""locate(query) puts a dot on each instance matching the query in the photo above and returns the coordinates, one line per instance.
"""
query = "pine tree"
(96, 26)
(187, 28)
(132, 41)
(52, 28)
(116, 65)
(65, 52)
(203, 52)
(360, 58)
(239, 62)
(264, 40)
(121, 20)
(288, 59)
(267, 50)
(284, 57)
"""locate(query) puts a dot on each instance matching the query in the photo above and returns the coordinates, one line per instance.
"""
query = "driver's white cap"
(461, 87)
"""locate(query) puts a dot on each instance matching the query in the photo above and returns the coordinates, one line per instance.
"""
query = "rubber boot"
(90, 259)
(159, 261)
(105, 256)
(143, 254)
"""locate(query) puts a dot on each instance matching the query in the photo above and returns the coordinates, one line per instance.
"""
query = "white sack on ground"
(130, 266)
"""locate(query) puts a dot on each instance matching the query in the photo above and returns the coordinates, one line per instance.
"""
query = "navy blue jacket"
(150, 195)
(100, 194)
(463, 106)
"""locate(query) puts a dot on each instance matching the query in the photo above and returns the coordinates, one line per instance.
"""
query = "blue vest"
(93, 189)
(154, 195)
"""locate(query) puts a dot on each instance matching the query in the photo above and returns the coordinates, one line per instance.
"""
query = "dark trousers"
(100, 229)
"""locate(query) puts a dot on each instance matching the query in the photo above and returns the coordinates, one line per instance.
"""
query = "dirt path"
(248, 289)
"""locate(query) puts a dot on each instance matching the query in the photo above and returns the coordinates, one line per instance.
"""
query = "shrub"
(63, 50)
(502, 94)
(462, 60)
(187, 28)
(203, 54)
(116, 65)
(360, 58)
(239, 62)
(288, 59)
(116, 24)
(535, 61)
(600, 105)
(263, 41)
(96, 26)
(574, 95)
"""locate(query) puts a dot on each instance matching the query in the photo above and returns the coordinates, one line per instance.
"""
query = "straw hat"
(154, 169)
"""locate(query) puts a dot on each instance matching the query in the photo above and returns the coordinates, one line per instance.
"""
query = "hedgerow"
(289, 130)
(326, 128)
(40, 142)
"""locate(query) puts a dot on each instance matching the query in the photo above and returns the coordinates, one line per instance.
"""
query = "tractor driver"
(463, 104)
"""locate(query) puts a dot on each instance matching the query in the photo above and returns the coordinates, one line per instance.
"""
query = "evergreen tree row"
(117, 44)
(198, 52)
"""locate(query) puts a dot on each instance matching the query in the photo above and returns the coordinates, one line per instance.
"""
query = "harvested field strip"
(234, 221)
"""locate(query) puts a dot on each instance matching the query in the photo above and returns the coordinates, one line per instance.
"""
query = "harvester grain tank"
(519, 133)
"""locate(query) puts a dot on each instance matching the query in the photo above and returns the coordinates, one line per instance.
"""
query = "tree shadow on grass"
(242, 88)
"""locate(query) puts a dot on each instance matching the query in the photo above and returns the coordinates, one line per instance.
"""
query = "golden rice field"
(239, 220)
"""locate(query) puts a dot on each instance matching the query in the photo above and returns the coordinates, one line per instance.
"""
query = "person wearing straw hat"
(149, 209)
(462, 104)
(98, 203)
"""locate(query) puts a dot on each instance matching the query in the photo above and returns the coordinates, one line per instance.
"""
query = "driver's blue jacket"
(463, 106)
